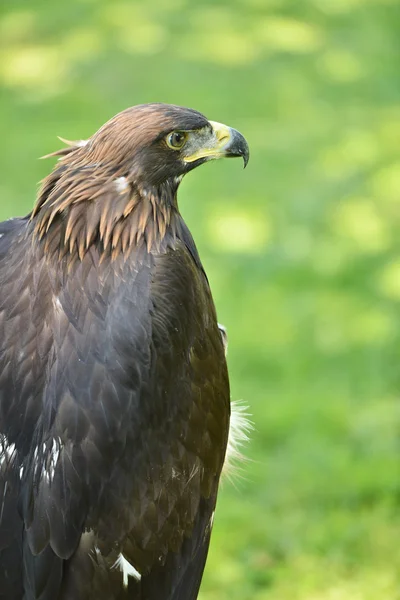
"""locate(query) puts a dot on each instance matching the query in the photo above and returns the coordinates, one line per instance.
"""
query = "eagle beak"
(229, 142)
(224, 142)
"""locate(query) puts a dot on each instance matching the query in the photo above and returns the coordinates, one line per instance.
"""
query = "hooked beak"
(224, 142)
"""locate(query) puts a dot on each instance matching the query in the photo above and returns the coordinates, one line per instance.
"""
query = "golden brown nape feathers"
(118, 188)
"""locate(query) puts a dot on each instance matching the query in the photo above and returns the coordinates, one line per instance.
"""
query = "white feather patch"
(224, 335)
(239, 425)
(239, 429)
(46, 458)
(121, 184)
(127, 569)
(7, 451)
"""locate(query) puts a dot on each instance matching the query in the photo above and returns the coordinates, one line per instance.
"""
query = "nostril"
(224, 138)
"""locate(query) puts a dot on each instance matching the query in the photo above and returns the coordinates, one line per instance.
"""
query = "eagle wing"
(114, 411)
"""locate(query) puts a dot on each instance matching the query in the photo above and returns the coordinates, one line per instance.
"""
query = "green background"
(302, 249)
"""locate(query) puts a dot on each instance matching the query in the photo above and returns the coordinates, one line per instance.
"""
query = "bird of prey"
(114, 392)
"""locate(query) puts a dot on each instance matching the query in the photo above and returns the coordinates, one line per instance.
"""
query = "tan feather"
(96, 197)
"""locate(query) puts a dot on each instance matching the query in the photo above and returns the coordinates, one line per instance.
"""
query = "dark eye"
(176, 139)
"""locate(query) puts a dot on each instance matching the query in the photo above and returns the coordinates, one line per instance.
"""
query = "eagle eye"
(176, 139)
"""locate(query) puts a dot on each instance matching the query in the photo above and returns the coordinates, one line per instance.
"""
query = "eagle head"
(159, 142)
(118, 188)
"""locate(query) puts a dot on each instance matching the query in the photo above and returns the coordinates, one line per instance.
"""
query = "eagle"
(114, 390)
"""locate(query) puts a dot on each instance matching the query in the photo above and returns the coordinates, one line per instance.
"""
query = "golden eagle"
(114, 392)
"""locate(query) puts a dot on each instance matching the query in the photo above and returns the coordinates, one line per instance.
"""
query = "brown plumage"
(114, 394)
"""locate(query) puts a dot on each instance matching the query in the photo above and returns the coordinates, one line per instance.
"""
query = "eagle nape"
(114, 389)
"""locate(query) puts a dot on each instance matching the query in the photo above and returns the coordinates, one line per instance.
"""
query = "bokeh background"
(302, 249)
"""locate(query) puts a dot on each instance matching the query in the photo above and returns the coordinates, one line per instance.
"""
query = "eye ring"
(176, 139)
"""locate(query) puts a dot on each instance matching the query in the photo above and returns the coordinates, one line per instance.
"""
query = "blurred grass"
(302, 249)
